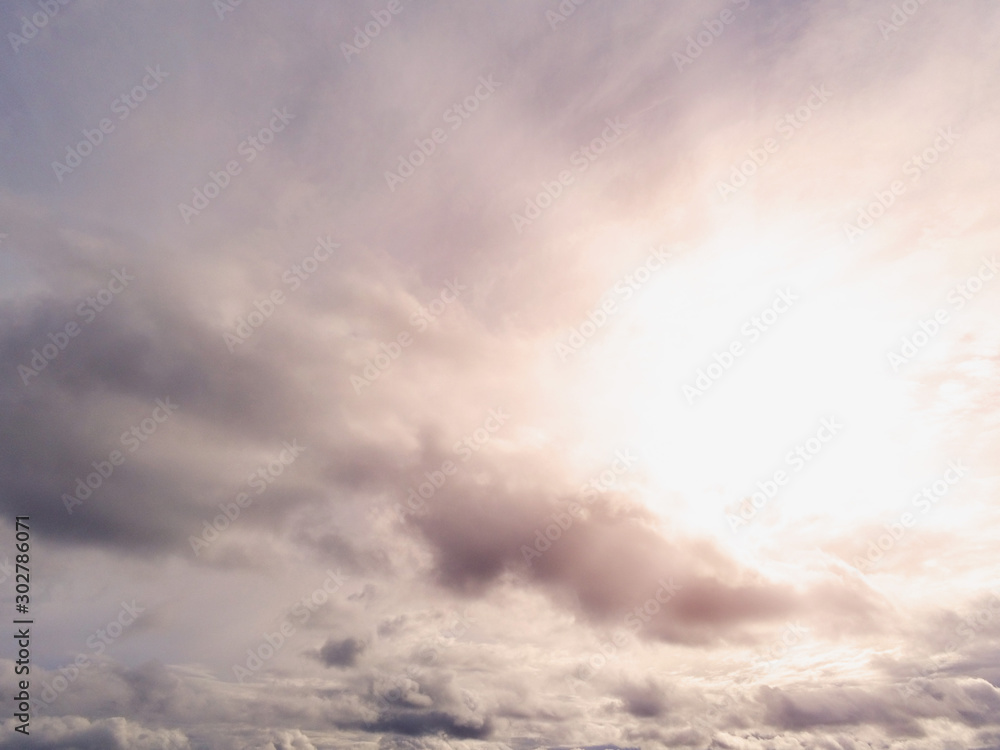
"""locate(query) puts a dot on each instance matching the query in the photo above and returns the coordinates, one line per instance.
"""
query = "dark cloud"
(644, 700)
(341, 653)
(616, 561)
(421, 723)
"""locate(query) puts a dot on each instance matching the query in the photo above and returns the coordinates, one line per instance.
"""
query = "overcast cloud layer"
(506, 375)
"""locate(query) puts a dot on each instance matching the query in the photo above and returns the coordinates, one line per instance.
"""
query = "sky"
(426, 375)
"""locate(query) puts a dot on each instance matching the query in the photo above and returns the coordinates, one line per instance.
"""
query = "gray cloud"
(341, 653)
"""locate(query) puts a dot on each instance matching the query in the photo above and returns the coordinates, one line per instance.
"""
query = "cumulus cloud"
(79, 733)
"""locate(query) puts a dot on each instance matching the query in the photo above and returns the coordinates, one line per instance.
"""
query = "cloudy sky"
(420, 375)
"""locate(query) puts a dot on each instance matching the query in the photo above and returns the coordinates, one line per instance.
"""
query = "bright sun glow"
(704, 452)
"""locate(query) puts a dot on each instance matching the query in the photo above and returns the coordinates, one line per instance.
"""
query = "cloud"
(79, 733)
(480, 613)
(341, 653)
(645, 701)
